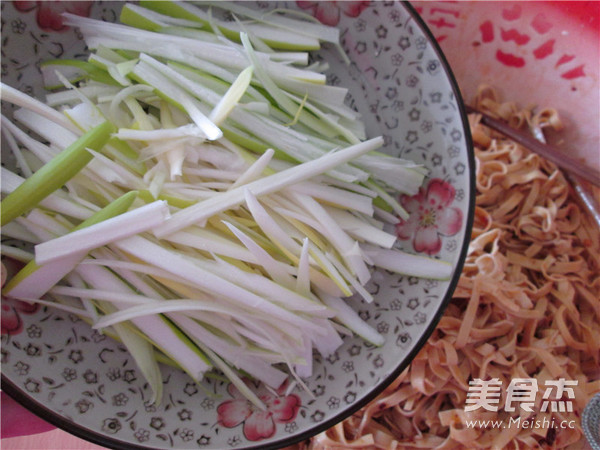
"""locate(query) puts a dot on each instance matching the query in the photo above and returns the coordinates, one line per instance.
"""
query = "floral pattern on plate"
(257, 424)
(431, 216)
(89, 384)
(330, 13)
(48, 14)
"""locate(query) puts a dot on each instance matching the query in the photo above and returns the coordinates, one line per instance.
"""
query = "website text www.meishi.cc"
(520, 422)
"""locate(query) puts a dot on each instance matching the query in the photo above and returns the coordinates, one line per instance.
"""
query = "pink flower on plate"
(257, 424)
(11, 314)
(430, 216)
(49, 12)
(12, 309)
(328, 12)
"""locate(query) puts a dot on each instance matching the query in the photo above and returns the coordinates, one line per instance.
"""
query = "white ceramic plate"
(87, 384)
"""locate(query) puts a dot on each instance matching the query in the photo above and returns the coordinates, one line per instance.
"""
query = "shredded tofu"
(527, 306)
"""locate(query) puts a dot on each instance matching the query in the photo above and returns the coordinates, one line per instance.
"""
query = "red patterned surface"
(537, 53)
